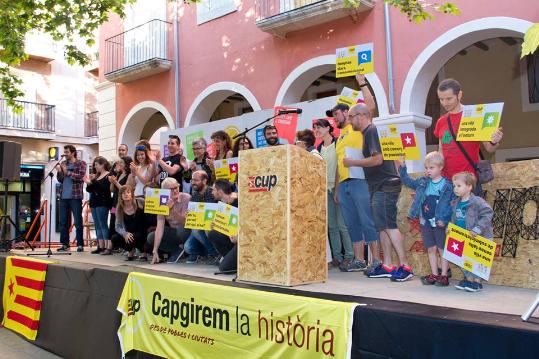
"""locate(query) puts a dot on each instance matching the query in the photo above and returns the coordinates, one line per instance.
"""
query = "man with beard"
(198, 244)
(351, 190)
(271, 135)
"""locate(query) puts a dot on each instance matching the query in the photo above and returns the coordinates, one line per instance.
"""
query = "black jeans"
(171, 240)
(139, 239)
(227, 249)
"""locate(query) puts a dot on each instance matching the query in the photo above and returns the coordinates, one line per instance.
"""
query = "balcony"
(280, 17)
(34, 117)
(139, 52)
(90, 124)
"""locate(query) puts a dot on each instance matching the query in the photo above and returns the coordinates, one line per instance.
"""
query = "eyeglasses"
(197, 148)
(140, 148)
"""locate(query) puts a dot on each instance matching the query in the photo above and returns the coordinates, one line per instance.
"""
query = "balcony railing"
(34, 116)
(90, 124)
(282, 16)
(138, 52)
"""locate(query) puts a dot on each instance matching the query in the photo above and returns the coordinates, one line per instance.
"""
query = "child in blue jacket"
(432, 205)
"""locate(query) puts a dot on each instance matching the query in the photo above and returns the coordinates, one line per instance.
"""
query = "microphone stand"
(247, 130)
(49, 252)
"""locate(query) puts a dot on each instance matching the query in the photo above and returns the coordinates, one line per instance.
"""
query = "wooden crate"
(283, 222)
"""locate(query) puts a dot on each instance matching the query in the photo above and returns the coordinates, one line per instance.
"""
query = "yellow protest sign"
(175, 318)
(354, 59)
(226, 219)
(155, 201)
(475, 254)
(349, 97)
(227, 169)
(398, 140)
(479, 122)
(200, 215)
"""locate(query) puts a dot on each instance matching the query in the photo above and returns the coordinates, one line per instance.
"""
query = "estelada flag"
(454, 246)
(409, 145)
(24, 283)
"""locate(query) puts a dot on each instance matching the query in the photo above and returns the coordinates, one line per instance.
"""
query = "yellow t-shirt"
(351, 139)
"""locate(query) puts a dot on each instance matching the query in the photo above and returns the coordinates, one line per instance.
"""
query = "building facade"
(175, 65)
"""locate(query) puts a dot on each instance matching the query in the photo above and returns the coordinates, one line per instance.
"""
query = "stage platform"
(393, 320)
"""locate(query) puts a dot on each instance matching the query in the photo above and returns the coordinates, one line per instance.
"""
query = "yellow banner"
(473, 253)
(479, 122)
(155, 201)
(226, 169)
(226, 219)
(24, 283)
(200, 215)
(175, 318)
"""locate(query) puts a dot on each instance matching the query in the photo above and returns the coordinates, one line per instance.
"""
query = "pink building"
(195, 64)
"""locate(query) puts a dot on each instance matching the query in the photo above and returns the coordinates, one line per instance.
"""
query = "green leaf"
(531, 41)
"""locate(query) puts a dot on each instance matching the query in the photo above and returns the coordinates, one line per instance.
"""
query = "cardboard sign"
(226, 219)
(286, 125)
(479, 122)
(200, 215)
(155, 201)
(349, 96)
(356, 59)
(227, 169)
(398, 140)
(475, 254)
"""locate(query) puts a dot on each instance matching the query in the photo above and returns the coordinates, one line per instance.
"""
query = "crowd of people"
(363, 190)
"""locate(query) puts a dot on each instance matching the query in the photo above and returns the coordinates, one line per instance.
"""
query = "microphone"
(62, 156)
(294, 110)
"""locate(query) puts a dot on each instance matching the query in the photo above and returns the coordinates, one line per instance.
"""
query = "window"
(212, 9)
(529, 81)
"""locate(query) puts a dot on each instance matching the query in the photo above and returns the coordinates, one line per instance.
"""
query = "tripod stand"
(6, 220)
(49, 252)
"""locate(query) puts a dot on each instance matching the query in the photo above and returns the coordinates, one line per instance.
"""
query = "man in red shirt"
(450, 95)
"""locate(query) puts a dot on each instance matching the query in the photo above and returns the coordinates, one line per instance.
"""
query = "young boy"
(432, 204)
(474, 214)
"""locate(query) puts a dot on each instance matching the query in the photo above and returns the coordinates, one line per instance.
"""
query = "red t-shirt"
(454, 159)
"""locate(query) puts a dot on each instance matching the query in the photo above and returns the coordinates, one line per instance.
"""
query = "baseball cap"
(339, 106)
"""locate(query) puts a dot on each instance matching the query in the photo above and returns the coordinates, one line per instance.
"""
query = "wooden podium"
(283, 222)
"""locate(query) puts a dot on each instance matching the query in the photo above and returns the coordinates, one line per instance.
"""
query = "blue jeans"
(101, 217)
(68, 206)
(338, 233)
(199, 244)
(355, 202)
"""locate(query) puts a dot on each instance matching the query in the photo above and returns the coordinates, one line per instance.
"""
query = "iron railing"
(34, 116)
(137, 45)
(90, 124)
(269, 8)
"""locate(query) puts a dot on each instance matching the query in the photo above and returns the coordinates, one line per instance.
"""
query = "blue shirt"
(432, 196)
(67, 187)
(460, 214)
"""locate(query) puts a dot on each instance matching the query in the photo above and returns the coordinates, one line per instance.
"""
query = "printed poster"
(189, 138)
(349, 96)
(398, 140)
(479, 122)
(286, 125)
(260, 139)
(475, 254)
(226, 219)
(155, 201)
(200, 215)
(176, 318)
(227, 169)
(356, 59)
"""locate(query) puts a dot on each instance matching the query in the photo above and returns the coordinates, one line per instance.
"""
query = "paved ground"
(13, 346)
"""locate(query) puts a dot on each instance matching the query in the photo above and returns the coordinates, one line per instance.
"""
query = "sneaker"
(63, 248)
(462, 284)
(430, 279)
(442, 281)
(345, 264)
(106, 252)
(353, 265)
(473, 287)
(448, 272)
(191, 259)
(97, 250)
(174, 257)
(80, 249)
(402, 274)
(381, 271)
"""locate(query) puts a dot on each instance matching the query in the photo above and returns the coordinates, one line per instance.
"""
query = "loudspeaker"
(10, 161)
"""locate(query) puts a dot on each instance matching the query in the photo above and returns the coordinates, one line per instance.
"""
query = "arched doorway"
(219, 101)
(484, 56)
(316, 79)
(143, 121)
